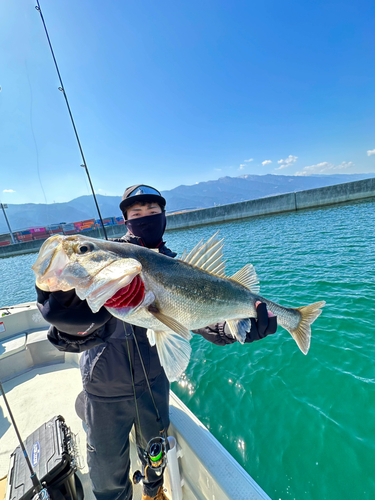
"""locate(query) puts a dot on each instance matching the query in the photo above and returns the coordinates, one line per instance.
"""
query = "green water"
(302, 426)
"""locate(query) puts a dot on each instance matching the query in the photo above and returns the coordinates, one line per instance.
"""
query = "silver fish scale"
(193, 300)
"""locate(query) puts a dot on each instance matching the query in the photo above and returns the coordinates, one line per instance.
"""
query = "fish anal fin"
(171, 323)
(239, 328)
(248, 278)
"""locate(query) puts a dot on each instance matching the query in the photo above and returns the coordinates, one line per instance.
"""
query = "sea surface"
(302, 426)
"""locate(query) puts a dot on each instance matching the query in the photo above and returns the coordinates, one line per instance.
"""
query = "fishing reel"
(155, 456)
(43, 494)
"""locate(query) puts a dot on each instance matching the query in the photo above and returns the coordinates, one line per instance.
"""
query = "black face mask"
(149, 229)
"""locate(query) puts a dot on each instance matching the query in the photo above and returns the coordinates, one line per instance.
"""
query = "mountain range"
(201, 195)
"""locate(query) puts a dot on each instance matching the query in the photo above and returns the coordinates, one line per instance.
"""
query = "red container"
(4, 243)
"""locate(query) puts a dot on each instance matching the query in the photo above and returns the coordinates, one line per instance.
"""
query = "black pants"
(108, 428)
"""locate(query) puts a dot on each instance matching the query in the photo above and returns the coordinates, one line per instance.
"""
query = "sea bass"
(169, 297)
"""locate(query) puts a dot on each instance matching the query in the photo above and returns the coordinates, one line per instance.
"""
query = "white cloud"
(325, 168)
(242, 166)
(218, 169)
(371, 152)
(288, 161)
(8, 191)
(251, 159)
(266, 162)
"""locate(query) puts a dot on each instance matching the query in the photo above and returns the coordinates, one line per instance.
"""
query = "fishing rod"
(62, 89)
(156, 449)
(40, 491)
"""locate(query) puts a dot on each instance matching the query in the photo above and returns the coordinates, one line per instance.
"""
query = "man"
(123, 381)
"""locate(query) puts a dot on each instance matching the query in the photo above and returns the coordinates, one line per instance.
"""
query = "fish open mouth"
(128, 296)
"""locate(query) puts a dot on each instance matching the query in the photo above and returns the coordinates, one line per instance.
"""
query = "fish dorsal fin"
(248, 278)
(207, 256)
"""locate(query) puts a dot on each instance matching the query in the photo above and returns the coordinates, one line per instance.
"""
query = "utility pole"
(4, 206)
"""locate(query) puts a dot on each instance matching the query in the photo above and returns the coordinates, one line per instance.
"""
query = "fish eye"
(85, 248)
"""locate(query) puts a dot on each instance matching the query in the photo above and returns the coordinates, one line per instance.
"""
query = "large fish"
(169, 297)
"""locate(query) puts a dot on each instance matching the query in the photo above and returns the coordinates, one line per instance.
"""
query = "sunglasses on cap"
(144, 190)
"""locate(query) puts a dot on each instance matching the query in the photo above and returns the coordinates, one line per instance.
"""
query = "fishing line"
(33, 134)
(154, 453)
(143, 368)
(147, 381)
(140, 434)
(133, 383)
(62, 89)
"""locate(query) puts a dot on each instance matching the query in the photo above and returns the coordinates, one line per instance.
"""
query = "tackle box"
(52, 452)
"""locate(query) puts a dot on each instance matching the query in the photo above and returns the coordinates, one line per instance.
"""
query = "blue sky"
(169, 93)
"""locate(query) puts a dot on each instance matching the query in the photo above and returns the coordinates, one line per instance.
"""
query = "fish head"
(95, 270)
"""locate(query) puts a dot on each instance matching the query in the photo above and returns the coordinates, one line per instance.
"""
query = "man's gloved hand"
(264, 324)
(69, 314)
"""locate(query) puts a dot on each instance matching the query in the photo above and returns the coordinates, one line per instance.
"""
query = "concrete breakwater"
(289, 202)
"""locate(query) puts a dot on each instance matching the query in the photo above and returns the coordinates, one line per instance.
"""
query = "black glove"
(261, 326)
(69, 314)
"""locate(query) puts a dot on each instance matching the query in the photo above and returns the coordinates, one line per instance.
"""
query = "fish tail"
(302, 334)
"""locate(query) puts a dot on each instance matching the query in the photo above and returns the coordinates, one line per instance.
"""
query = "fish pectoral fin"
(248, 278)
(151, 337)
(171, 323)
(174, 353)
(239, 328)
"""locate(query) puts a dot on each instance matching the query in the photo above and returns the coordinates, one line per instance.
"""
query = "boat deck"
(34, 398)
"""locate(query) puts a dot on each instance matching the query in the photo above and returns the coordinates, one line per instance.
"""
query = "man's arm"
(219, 333)
(74, 327)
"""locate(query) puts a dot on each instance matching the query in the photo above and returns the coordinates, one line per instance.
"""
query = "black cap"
(138, 193)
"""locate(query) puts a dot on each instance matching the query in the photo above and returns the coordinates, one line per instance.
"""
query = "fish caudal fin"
(174, 353)
(302, 334)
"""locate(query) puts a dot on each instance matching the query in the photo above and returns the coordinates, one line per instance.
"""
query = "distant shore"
(290, 202)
